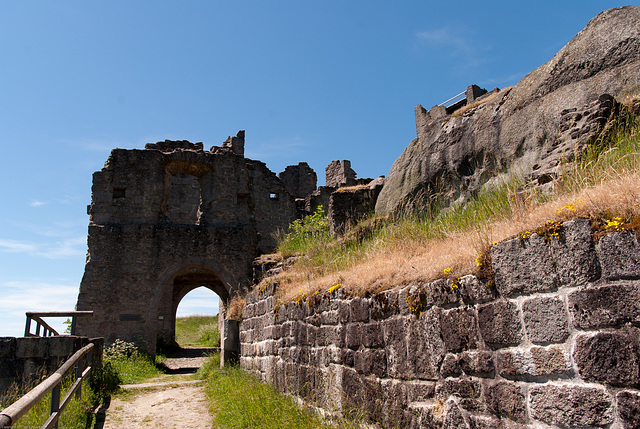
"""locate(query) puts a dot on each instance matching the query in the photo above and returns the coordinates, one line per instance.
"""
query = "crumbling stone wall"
(166, 220)
(300, 180)
(26, 359)
(349, 205)
(340, 173)
(555, 342)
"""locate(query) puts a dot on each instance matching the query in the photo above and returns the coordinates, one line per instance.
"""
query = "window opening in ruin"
(197, 316)
(119, 193)
(273, 196)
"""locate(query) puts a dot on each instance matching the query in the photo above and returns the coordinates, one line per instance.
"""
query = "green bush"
(305, 234)
(128, 364)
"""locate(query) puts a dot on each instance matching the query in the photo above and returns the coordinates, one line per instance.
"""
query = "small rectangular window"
(119, 193)
(273, 196)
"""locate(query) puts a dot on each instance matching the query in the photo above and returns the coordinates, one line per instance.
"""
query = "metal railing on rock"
(81, 360)
(453, 100)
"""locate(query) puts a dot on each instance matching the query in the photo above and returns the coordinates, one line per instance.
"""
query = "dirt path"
(164, 406)
(170, 403)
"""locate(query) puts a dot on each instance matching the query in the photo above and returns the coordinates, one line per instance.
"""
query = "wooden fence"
(81, 361)
(48, 331)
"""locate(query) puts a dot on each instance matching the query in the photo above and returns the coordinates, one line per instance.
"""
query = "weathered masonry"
(555, 343)
(166, 220)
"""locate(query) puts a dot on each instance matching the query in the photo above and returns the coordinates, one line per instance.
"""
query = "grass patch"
(197, 331)
(241, 400)
(129, 364)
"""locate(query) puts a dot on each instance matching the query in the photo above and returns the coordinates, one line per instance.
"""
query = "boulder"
(527, 129)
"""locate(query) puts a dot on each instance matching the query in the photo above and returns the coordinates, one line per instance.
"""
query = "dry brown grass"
(234, 311)
(417, 262)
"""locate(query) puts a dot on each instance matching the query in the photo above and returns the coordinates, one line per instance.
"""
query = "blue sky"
(308, 81)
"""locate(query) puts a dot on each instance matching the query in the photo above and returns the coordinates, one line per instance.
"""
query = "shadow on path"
(186, 360)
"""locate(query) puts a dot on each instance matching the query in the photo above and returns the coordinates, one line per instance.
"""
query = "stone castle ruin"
(168, 219)
(174, 217)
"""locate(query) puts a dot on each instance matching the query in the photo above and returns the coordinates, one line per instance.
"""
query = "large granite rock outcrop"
(522, 130)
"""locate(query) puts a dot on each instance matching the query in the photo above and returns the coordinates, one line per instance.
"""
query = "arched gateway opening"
(185, 281)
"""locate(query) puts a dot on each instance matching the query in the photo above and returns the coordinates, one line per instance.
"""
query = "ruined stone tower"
(166, 220)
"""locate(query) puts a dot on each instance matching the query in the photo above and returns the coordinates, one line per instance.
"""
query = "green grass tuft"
(241, 400)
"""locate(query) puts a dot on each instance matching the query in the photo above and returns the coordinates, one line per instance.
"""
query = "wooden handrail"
(48, 330)
(15, 411)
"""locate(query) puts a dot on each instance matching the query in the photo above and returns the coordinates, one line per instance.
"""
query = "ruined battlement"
(172, 145)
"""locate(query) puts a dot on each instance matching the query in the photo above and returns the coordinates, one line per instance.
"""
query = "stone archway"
(182, 283)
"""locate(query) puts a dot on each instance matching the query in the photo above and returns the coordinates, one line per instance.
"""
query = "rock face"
(526, 129)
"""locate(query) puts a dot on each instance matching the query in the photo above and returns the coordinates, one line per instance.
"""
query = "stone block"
(473, 291)
(505, 399)
(629, 409)
(367, 362)
(420, 391)
(353, 335)
(477, 363)
(534, 363)
(550, 361)
(609, 357)
(299, 333)
(500, 323)
(63, 346)
(450, 366)
(7, 347)
(344, 311)
(441, 294)
(272, 332)
(384, 305)
(329, 317)
(312, 332)
(574, 254)
(425, 348)
(347, 357)
(468, 391)
(314, 319)
(523, 266)
(372, 336)
(359, 310)
(606, 306)
(486, 422)
(619, 254)
(515, 363)
(395, 339)
(545, 320)
(31, 347)
(454, 417)
(459, 329)
(570, 405)
(327, 335)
